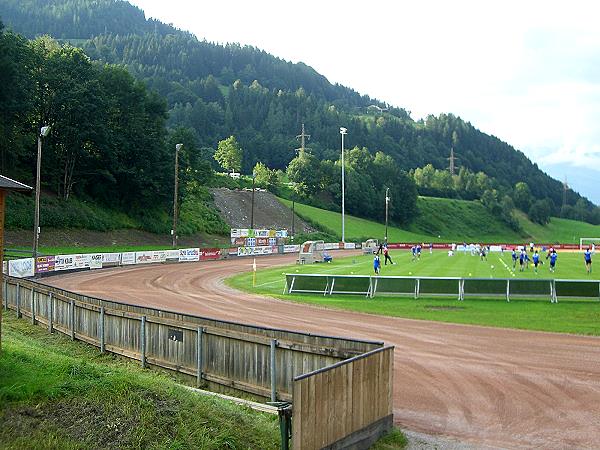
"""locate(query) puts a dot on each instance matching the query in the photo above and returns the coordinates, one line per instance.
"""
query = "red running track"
(487, 387)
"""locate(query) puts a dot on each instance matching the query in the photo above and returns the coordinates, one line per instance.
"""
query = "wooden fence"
(265, 362)
(256, 360)
(346, 405)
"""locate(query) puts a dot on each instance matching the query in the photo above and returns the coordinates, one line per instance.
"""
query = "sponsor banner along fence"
(28, 267)
(253, 251)
(257, 233)
(111, 259)
(21, 268)
(127, 258)
(210, 254)
(44, 264)
(189, 254)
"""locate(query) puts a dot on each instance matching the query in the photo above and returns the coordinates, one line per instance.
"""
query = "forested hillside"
(214, 91)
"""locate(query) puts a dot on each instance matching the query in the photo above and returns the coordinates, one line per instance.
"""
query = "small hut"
(6, 185)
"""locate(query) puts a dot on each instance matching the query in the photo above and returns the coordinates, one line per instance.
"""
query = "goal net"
(589, 243)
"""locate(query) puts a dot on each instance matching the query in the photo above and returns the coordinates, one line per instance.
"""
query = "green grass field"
(451, 220)
(569, 315)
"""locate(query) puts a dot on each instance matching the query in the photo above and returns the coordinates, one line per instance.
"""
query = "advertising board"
(111, 259)
(127, 258)
(64, 262)
(252, 251)
(44, 264)
(189, 254)
(21, 268)
(210, 254)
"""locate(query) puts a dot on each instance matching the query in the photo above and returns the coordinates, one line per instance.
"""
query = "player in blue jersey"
(514, 258)
(376, 264)
(521, 260)
(536, 261)
(553, 257)
(587, 257)
(527, 259)
(413, 249)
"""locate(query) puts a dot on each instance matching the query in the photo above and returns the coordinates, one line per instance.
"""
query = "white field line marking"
(270, 282)
(506, 266)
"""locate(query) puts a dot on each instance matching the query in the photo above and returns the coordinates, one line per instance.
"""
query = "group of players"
(524, 260)
(383, 249)
(522, 257)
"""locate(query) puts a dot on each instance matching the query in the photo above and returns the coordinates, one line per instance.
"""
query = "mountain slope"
(266, 107)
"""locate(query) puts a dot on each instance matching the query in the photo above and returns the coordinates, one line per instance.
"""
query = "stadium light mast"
(387, 201)
(174, 230)
(252, 207)
(44, 131)
(343, 132)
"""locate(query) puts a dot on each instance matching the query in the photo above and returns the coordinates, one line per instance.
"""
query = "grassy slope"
(558, 230)
(570, 316)
(458, 220)
(452, 220)
(356, 228)
(55, 393)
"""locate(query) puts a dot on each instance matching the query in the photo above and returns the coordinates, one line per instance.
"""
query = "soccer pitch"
(581, 316)
(439, 264)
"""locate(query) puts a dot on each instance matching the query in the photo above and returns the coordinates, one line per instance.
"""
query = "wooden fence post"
(72, 319)
(102, 329)
(18, 301)
(143, 340)
(33, 306)
(199, 356)
(50, 312)
(273, 371)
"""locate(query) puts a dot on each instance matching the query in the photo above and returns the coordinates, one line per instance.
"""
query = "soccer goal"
(588, 242)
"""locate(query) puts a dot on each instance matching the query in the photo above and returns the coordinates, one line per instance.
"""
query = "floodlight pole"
(36, 221)
(252, 207)
(387, 201)
(343, 131)
(293, 214)
(174, 231)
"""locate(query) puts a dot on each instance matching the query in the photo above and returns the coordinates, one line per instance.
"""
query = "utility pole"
(303, 138)
(252, 207)
(387, 201)
(343, 132)
(44, 131)
(174, 230)
(293, 214)
(452, 160)
(565, 189)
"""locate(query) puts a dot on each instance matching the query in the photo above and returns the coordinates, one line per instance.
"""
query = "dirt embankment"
(236, 208)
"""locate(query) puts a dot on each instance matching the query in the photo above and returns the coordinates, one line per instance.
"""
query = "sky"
(525, 72)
